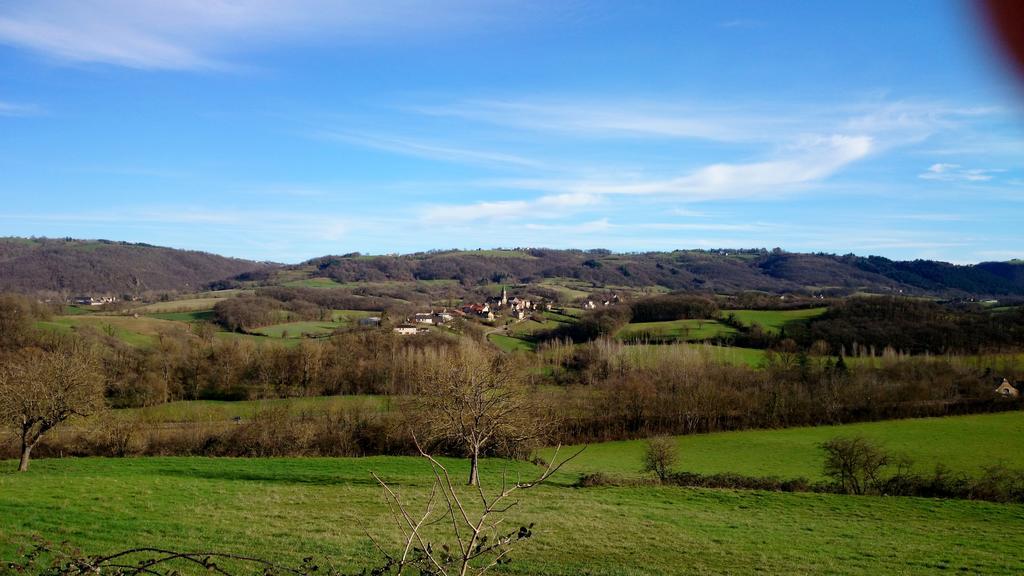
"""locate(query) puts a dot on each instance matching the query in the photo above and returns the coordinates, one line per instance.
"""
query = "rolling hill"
(72, 266)
(103, 266)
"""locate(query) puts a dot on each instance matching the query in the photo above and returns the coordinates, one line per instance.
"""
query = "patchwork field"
(291, 508)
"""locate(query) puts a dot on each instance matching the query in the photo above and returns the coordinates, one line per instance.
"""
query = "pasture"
(140, 331)
(510, 344)
(674, 330)
(774, 321)
(290, 508)
(963, 443)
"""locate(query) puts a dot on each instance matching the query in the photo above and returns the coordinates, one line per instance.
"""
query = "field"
(290, 508)
(774, 320)
(140, 331)
(510, 344)
(684, 330)
(205, 301)
(297, 329)
(964, 443)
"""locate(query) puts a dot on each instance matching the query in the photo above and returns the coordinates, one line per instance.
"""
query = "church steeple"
(504, 297)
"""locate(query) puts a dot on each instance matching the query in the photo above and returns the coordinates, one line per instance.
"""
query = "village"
(514, 309)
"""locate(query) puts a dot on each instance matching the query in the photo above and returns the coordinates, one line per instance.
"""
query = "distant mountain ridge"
(723, 271)
(70, 266)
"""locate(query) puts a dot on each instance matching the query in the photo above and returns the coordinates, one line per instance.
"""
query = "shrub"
(855, 464)
(660, 456)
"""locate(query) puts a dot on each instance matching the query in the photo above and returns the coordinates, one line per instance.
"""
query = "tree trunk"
(26, 451)
(474, 475)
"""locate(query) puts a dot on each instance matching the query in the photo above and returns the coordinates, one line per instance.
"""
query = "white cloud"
(554, 206)
(617, 119)
(947, 172)
(202, 34)
(814, 159)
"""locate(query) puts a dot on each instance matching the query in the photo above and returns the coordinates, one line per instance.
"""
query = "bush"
(660, 456)
(855, 464)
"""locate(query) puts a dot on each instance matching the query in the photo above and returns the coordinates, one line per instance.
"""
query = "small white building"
(406, 329)
(423, 318)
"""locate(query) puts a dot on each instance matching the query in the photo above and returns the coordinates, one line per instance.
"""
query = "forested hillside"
(721, 271)
(104, 267)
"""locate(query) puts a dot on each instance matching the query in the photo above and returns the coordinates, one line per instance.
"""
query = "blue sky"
(285, 130)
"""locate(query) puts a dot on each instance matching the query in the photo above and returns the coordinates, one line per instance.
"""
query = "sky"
(289, 129)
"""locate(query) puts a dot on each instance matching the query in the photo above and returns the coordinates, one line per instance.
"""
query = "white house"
(405, 329)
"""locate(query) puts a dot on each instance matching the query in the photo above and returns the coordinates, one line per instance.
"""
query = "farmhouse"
(1007, 390)
(93, 300)
(406, 329)
(423, 318)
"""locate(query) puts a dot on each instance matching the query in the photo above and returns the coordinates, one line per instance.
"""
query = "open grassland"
(193, 316)
(312, 283)
(140, 331)
(297, 329)
(290, 508)
(187, 305)
(774, 320)
(963, 443)
(682, 330)
(510, 344)
(217, 411)
(351, 315)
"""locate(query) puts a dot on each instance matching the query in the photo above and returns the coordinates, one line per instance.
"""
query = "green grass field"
(192, 316)
(510, 344)
(297, 329)
(774, 320)
(313, 283)
(682, 330)
(141, 331)
(964, 443)
(291, 508)
(186, 305)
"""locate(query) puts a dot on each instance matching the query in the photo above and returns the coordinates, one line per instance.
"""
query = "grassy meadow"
(774, 321)
(682, 330)
(290, 508)
(963, 443)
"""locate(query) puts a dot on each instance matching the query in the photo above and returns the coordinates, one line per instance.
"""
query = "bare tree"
(660, 456)
(471, 397)
(41, 389)
(482, 540)
(855, 463)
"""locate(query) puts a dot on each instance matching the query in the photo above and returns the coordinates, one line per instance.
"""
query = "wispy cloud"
(545, 207)
(432, 150)
(813, 159)
(16, 109)
(947, 172)
(202, 34)
(743, 23)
